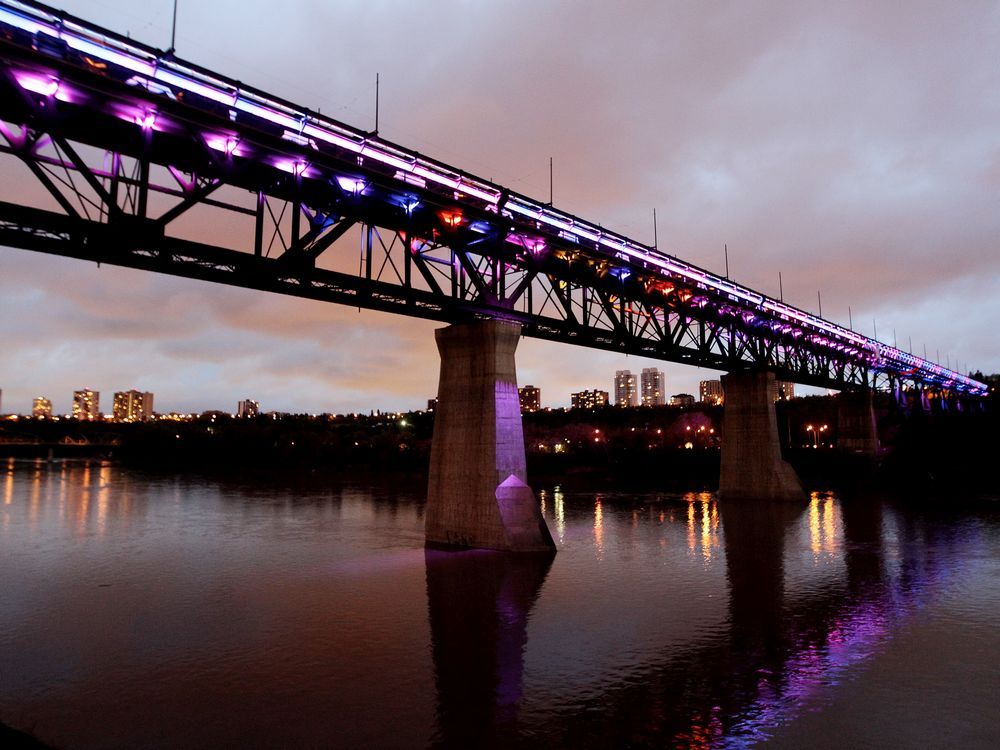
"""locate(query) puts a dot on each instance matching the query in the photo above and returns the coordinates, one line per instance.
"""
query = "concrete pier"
(752, 466)
(856, 431)
(477, 494)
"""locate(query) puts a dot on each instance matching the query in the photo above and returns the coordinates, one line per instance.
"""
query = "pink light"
(386, 158)
(227, 144)
(351, 185)
(296, 168)
(37, 83)
(146, 119)
(436, 177)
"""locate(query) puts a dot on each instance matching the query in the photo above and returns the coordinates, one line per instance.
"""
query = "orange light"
(451, 219)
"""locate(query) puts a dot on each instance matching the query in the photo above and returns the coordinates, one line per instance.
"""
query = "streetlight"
(815, 431)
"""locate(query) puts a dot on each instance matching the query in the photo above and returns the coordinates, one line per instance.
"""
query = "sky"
(853, 147)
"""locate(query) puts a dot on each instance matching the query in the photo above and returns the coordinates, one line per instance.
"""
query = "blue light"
(621, 273)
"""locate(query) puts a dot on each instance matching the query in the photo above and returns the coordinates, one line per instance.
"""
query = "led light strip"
(94, 43)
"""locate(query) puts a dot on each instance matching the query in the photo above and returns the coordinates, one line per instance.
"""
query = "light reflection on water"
(311, 615)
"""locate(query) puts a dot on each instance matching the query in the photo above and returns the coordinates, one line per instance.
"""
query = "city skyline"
(646, 389)
(886, 178)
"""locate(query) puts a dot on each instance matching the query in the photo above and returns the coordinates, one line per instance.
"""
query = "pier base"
(856, 431)
(752, 466)
(477, 495)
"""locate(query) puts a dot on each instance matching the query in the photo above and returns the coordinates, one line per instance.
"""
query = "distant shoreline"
(650, 448)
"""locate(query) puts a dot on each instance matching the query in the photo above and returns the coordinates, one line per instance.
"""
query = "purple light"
(534, 245)
(184, 82)
(433, 176)
(37, 83)
(387, 158)
(20, 22)
(336, 139)
(141, 116)
(227, 144)
(146, 120)
(268, 113)
(412, 179)
(133, 60)
(292, 166)
(351, 185)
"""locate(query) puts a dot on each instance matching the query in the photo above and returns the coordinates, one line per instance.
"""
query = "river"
(144, 611)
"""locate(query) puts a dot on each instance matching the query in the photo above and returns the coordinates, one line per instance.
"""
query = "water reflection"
(478, 603)
(560, 512)
(784, 648)
(663, 621)
(598, 527)
(702, 523)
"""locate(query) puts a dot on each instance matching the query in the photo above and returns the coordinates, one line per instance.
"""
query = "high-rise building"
(626, 390)
(86, 404)
(682, 399)
(41, 408)
(710, 392)
(530, 398)
(589, 399)
(782, 390)
(132, 406)
(247, 408)
(652, 382)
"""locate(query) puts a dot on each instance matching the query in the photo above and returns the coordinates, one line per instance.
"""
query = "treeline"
(660, 446)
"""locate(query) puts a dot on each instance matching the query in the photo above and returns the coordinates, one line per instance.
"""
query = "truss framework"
(122, 183)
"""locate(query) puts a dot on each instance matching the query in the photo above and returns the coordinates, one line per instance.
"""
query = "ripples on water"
(142, 611)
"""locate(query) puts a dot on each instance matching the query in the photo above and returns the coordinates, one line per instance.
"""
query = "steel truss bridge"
(129, 142)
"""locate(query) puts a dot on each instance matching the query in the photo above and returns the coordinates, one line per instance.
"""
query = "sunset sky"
(854, 147)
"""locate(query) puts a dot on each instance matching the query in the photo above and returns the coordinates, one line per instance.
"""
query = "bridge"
(126, 140)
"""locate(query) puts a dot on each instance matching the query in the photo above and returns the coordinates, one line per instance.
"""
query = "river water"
(142, 611)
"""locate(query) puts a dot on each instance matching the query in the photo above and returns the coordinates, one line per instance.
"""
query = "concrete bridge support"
(856, 431)
(477, 494)
(923, 400)
(902, 403)
(752, 467)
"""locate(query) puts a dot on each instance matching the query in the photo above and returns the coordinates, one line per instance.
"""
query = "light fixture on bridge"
(227, 144)
(295, 167)
(146, 119)
(408, 202)
(451, 218)
(351, 185)
(621, 273)
(37, 83)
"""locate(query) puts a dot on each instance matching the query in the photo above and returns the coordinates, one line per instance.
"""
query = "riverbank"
(12, 739)
(657, 449)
